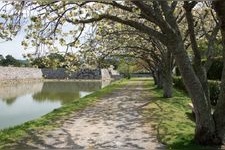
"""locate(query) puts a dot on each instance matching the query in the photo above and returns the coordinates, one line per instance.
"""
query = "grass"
(171, 118)
(54, 118)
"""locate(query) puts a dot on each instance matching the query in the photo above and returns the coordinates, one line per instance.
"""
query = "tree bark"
(205, 127)
(198, 67)
(219, 114)
(159, 78)
(167, 85)
(154, 77)
(167, 75)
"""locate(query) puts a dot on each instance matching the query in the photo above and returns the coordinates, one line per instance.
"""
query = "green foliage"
(39, 62)
(203, 48)
(214, 88)
(34, 19)
(127, 66)
(177, 71)
(9, 61)
(178, 83)
(124, 69)
(53, 60)
(107, 62)
(215, 71)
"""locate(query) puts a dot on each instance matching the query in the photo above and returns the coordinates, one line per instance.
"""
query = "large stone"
(19, 73)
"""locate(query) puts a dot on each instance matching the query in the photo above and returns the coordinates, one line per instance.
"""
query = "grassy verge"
(171, 118)
(54, 118)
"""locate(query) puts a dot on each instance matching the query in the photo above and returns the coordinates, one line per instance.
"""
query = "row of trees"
(158, 34)
(10, 61)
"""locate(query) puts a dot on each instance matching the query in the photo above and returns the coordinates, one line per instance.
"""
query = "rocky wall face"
(19, 73)
(105, 74)
(62, 73)
(22, 73)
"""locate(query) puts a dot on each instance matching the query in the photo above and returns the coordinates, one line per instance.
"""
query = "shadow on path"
(115, 122)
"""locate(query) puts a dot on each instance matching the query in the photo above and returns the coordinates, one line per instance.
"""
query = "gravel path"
(115, 122)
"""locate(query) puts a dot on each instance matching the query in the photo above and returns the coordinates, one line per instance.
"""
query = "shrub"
(214, 88)
(215, 71)
(177, 71)
(178, 83)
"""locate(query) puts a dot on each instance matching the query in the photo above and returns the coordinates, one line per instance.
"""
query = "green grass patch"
(171, 118)
(55, 118)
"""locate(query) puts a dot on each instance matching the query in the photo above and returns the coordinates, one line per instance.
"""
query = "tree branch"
(139, 26)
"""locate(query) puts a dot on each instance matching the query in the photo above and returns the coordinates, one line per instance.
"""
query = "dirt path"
(115, 122)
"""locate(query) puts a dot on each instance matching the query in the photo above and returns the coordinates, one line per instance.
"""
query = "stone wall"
(114, 73)
(105, 75)
(141, 75)
(62, 73)
(19, 73)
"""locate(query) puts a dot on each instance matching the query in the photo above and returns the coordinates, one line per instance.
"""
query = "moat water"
(23, 102)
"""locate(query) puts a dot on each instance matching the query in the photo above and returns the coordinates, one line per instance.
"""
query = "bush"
(177, 71)
(215, 71)
(178, 83)
(214, 88)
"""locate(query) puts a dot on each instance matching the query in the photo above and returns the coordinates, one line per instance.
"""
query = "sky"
(13, 47)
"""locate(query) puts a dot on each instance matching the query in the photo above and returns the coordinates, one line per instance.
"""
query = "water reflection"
(26, 101)
(10, 93)
(65, 91)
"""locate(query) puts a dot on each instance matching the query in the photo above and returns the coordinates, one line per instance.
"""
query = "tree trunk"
(167, 85)
(159, 78)
(205, 127)
(167, 75)
(171, 37)
(202, 76)
(198, 67)
(154, 77)
(219, 114)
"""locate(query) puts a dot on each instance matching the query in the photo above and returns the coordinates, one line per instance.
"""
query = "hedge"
(214, 72)
(214, 88)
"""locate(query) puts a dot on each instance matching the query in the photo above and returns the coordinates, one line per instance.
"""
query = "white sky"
(13, 47)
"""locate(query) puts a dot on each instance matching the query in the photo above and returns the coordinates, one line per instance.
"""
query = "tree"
(53, 60)
(219, 113)
(10, 60)
(170, 36)
(69, 61)
(200, 69)
(156, 19)
(1, 59)
(11, 14)
(121, 40)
